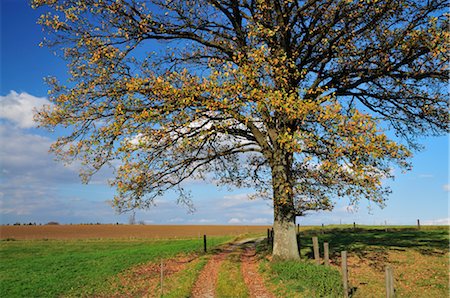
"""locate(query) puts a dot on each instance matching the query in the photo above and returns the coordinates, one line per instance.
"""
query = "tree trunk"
(285, 238)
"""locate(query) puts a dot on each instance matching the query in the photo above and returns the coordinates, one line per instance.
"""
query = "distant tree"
(132, 218)
(53, 223)
(294, 98)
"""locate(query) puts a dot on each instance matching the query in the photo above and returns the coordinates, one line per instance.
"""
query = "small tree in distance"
(293, 98)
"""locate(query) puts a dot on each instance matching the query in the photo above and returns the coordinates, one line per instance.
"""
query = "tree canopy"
(305, 101)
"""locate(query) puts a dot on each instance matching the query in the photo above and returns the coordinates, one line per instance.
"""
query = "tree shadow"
(361, 241)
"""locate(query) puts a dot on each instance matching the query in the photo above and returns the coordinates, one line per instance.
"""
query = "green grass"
(181, 283)
(230, 282)
(54, 268)
(303, 279)
(307, 278)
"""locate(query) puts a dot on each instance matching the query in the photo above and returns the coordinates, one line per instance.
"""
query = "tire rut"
(252, 278)
(205, 286)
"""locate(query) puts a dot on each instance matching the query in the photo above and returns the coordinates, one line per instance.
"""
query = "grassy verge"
(302, 279)
(230, 282)
(78, 268)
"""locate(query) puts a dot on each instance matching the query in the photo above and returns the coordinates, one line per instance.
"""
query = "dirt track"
(207, 280)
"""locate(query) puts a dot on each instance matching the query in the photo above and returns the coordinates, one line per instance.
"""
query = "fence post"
(326, 254)
(316, 249)
(344, 272)
(322, 230)
(418, 224)
(268, 237)
(354, 226)
(204, 243)
(271, 236)
(389, 283)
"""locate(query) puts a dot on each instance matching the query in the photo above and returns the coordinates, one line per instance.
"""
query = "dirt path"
(252, 278)
(205, 285)
(207, 280)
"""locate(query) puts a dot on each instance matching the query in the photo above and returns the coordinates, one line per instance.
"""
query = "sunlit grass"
(80, 267)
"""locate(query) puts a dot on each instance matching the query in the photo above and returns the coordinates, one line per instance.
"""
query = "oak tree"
(306, 101)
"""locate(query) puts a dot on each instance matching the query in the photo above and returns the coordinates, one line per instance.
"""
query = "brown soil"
(205, 285)
(253, 280)
(122, 231)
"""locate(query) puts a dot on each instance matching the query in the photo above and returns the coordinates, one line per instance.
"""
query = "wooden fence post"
(389, 282)
(316, 249)
(268, 237)
(418, 224)
(204, 243)
(271, 236)
(326, 254)
(354, 226)
(344, 272)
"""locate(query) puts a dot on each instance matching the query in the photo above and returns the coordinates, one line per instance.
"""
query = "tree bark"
(285, 238)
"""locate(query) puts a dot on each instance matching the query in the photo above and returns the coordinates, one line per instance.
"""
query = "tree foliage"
(299, 99)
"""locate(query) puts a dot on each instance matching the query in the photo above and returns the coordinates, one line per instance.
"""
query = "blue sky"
(34, 188)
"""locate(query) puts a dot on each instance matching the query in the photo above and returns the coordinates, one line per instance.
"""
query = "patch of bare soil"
(144, 280)
(205, 285)
(252, 278)
(122, 231)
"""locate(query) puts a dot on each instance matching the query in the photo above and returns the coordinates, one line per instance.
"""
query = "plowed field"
(122, 231)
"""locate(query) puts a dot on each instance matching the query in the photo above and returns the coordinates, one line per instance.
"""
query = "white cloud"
(446, 187)
(345, 209)
(253, 221)
(234, 221)
(235, 200)
(438, 222)
(37, 188)
(261, 221)
(25, 157)
(202, 221)
(18, 108)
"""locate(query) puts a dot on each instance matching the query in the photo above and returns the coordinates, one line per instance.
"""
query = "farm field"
(122, 231)
(130, 267)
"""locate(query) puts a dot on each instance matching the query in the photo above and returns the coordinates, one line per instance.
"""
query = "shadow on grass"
(359, 241)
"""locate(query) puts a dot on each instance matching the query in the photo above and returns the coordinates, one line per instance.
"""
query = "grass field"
(420, 258)
(39, 268)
